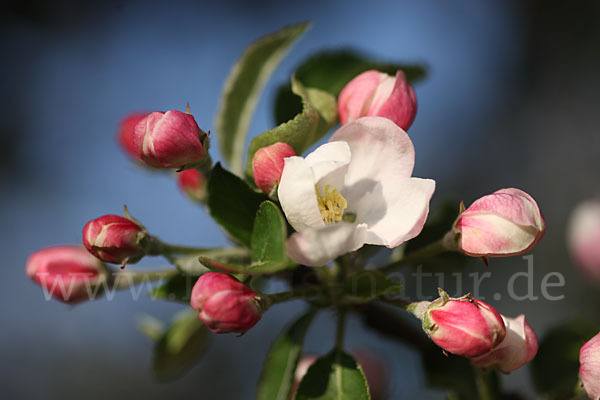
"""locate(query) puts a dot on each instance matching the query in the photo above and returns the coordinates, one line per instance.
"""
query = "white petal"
(297, 195)
(330, 158)
(379, 148)
(396, 212)
(318, 246)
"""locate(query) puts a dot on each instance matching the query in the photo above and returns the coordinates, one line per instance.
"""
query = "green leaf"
(269, 235)
(180, 347)
(330, 71)
(319, 114)
(368, 284)
(150, 326)
(243, 87)
(555, 368)
(336, 376)
(232, 203)
(277, 377)
(176, 288)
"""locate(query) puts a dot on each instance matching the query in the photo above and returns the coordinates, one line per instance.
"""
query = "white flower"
(355, 190)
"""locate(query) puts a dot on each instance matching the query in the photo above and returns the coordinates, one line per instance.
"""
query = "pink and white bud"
(584, 238)
(505, 223)
(126, 129)
(169, 139)
(589, 367)
(224, 304)
(267, 165)
(193, 183)
(517, 349)
(68, 273)
(377, 94)
(464, 326)
(375, 369)
(113, 239)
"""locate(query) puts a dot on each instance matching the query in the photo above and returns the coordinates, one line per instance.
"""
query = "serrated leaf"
(269, 235)
(330, 71)
(277, 377)
(368, 284)
(243, 87)
(232, 203)
(176, 288)
(336, 376)
(555, 368)
(180, 347)
(318, 115)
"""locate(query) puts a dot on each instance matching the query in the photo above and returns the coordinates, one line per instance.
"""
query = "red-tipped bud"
(505, 223)
(125, 134)
(193, 183)
(113, 238)
(267, 165)
(584, 238)
(67, 273)
(169, 139)
(376, 94)
(465, 326)
(589, 367)
(518, 347)
(224, 304)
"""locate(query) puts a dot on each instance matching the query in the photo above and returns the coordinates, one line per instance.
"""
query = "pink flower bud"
(376, 94)
(68, 273)
(584, 238)
(518, 347)
(373, 366)
(505, 223)
(465, 326)
(267, 165)
(113, 238)
(224, 304)
(125, 134)
(169, 140)
(193, 183)
(589, 367)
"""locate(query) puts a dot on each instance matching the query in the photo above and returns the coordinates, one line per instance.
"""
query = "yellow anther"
(332, 205)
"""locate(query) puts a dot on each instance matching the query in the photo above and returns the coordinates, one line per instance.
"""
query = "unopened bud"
(267, 165)
(589, 367)
(114, 239)
(193, 183)
(126, 129)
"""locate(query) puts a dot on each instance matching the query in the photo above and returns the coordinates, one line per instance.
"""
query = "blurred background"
(511, 100)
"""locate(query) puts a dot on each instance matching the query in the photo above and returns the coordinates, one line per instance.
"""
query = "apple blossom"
(355, 190)
(193, 183)
(584, 238)
(464, 326)
(517, 349)
(126, 129)
(66, 272)
(113, 238)
(224, 304)
(267, 165)
(589, 367)
(505, 223)
(375, 93)
(169, 139)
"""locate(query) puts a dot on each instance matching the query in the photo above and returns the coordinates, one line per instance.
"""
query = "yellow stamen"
(332, 205)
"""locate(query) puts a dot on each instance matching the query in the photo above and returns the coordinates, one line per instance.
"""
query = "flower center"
(332, 205)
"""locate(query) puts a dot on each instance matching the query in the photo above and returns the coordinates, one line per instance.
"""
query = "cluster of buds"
(224, 304)
(67, 273)
(471, 328)
(505, 223)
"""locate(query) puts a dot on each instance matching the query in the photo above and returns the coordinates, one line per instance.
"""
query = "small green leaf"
(555, 368)
(319, 114)
(232, 203)
(243, 87)
(336, 376)
(277, 377)
(269, 235)
(150, 326)
(176, 288)
(330, 71)
(180, 347)
(368, 284)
